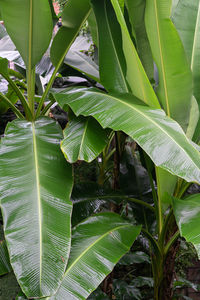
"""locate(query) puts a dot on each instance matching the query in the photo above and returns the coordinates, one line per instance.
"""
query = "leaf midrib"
(195, 37)
(38, 197)
(83, 137)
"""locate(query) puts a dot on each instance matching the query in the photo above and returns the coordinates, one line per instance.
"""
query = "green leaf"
(73, 16)
(29, 24)
(5, 266)
(93, 27)
(84, 139)
(194, 118)
(21, 296)
(136, 11)
(111, 61)
(92, 257)
(135, 74)
(160, 137)
(187, 214)
(175, 80)
(36, 183)
(186, 18)
(4, 67)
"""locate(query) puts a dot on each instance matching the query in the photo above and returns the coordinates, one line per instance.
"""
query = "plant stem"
(140, 202)
(31, 88)
(20, 96)
(11, 105)
(170, 243)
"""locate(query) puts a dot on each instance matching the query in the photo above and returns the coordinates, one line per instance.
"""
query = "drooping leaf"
(111, 61)
(84, 139)
(36, 183)
(92, 257)
(161, 137)
(29, 24)
(187, 214)
(175, 79)
(73, 16)
(136, 11)
(135, 74)
(5, 266)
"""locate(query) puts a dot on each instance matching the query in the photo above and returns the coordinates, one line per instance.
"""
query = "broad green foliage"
(29, 24)
(175, 80)
(5, 266)
(187, 213)
(161, 137)
(84, 139)
(92, 256)
(36, 183)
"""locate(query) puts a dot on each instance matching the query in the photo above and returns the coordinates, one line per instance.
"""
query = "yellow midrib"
(195, 37)
(38, 197)
(162, 60)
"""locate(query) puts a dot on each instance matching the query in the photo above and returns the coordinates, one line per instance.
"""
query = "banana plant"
(36, 179)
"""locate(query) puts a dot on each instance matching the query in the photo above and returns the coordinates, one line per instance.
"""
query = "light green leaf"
(36, 183)
(84, 139)
(93, 27)
(92, 257)
(160, 137)
(74, 15)
(136, 10)
(187, 214)
(29, 24)
(135, 74)
(186, 18)
(175, 79)
(194, 118)
(5, 266)
(111, 61)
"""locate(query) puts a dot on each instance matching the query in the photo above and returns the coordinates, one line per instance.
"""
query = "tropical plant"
(159, 112)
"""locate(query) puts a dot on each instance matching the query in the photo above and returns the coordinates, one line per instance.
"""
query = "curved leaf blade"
(161, 137)
(111, 61)
(74, 14)
(135, 74)
(84, 139)
(175, 78)
(29, 24)
(92, 257)
(5, 266)
(36, 183)
(187, 214)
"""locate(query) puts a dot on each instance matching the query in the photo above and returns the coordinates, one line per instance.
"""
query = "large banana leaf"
(175, 79)
(187, 213)
(5, 266)
(73, 16)
(97, 245)
(112, 62)
(135, 74)
(29, 24)
(161, 137)
(186, 18)
(36, 183)
(84, 139)
(136, 11)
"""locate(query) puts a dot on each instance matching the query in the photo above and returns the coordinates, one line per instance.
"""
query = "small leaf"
(5, 266)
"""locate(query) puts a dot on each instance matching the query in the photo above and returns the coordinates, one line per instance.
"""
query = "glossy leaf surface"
(84, 139)
(111, 61)
(92, 257)
(187, 213)
(29, 24)
(73, 16)
(135, 74)
(136, 10)
(5, 266)
(175, 78)
(161, 137)
(36, 183)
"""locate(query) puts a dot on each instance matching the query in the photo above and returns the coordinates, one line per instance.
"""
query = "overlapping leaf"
(36, 183)
(92, 257)
(84, 139)
(5, 266)
(29, 24)
(161, 137)
(187, 213)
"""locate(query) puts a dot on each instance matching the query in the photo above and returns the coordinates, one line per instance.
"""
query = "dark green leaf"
(5, 266)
